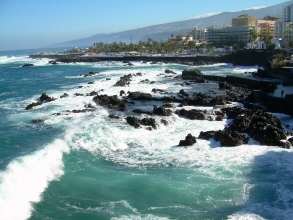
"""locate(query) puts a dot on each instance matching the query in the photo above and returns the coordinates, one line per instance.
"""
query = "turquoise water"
(86, 166)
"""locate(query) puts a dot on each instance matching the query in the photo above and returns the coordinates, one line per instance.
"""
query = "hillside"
(163, 31)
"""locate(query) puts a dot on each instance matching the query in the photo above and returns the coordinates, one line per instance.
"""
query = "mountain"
(164, 31)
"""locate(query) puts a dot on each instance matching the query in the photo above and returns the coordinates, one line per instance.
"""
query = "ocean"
(86, 166)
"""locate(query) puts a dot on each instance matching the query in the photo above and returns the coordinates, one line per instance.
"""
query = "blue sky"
(38, 23)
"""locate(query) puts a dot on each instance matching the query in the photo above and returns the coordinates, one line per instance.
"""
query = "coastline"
(118, 139)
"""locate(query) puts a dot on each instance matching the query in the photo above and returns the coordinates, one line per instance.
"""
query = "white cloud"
(206, 15)
(257, 7)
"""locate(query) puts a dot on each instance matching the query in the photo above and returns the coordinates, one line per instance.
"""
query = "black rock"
(158, 90)
(133, 121)
(140, 96)
(44, 98)
(191, 114)
(230, 138)
(194, 75)
(113, 116)
(161, 111)
(38, 121)
(149, 122)
(183, 93)
(112, 102)
(83, 110)
(189, 141)
(200, 99)
(124, 80)
(89, 74)
(32, 105)
(53, 62)
(28, 65)
(64, 95)
(122, 92)
(207, 135)
(169, 71)
(92, 93)
(140, 111)
(164, 122)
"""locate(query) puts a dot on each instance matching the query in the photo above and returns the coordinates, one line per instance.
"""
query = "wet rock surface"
(112, 102)
(140, 96)
(124, 80)
(194, 75)
(162, 111)
(44, 98)
(257, 124)
(89, 74)
(188, 141)
(28, 65)
(192, 114)
(137, 123)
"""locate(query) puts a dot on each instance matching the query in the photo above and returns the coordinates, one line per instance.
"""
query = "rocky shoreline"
(249, 119)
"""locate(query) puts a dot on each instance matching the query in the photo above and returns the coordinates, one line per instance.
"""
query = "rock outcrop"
(112, 102)
(188, 141)
(44, 98)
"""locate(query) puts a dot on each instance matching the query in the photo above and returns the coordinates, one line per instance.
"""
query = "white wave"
(139, 217)
(245, 216)
(26, 178)
(24, 59)
(121, 144)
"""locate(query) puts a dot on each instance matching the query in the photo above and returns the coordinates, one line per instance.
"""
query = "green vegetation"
(174, 45)
(279, 60)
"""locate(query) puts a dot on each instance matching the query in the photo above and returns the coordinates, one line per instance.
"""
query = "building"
(266, 27)
(288, 14)
(288, 34)
(200, 34)
(228, 36)
(244, 21)
(287, 26)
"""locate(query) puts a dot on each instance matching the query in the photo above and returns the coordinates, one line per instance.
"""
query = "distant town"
(245, 32)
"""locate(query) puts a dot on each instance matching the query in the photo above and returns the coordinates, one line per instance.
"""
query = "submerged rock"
(114, 116)
(89, 74)
(158, 90)
(189, 141)
(164, 122)
(169, 71)
(28, 65)
(64, 95)
(38, 121)
(53, 62)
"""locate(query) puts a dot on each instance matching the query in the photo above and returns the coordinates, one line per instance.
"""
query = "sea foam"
(26, 178)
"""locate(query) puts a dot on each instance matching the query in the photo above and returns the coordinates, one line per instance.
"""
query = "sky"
(26, 24)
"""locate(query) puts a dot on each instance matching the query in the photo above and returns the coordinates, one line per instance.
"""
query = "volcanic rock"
(112, 102)
(189, 141)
